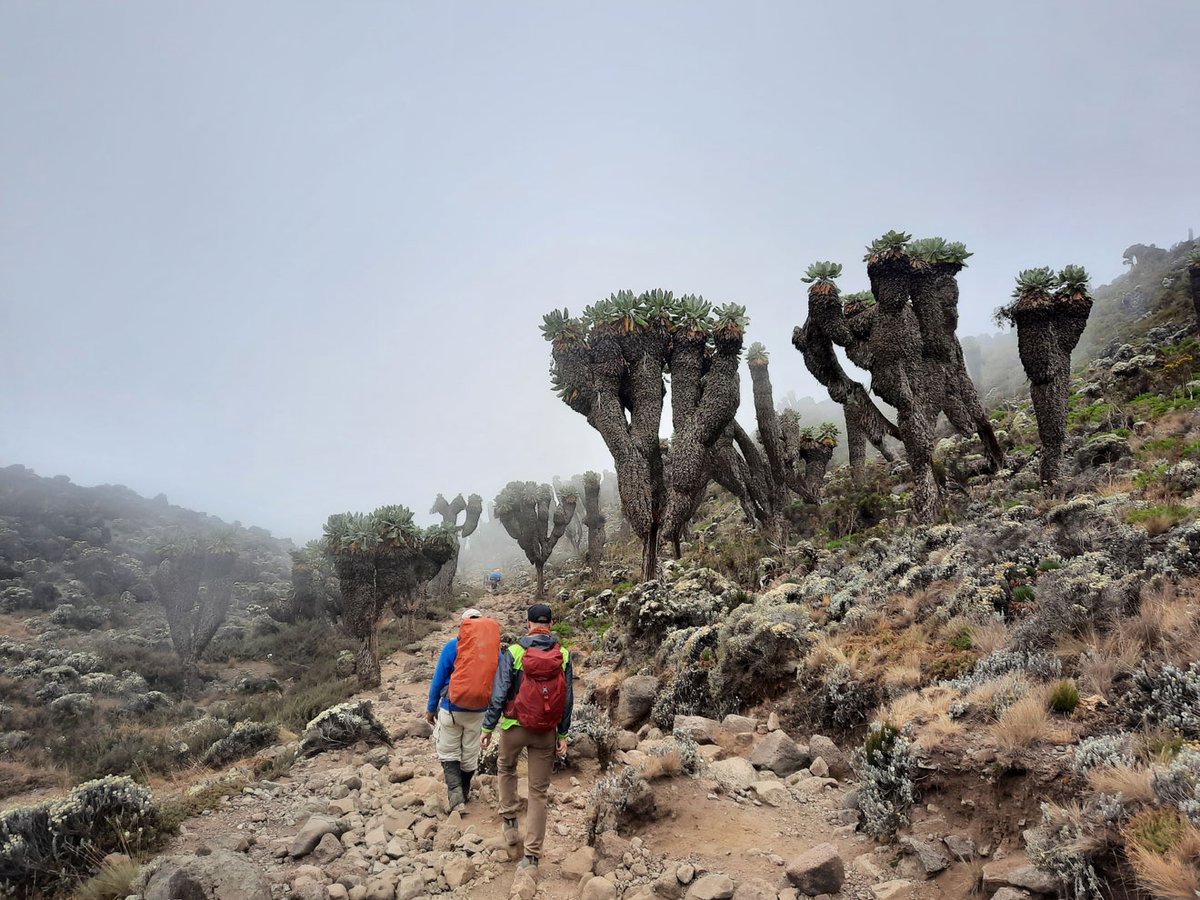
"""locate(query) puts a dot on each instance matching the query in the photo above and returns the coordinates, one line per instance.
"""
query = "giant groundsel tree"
(194, 582)
(1050, 312)
(610, 366)
(906, 339)
(1193, 263)
(442, 584)
(529, 514)
(382, 559)
(864, 420)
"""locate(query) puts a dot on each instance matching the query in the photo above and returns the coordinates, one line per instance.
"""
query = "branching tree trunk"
(526, 509)
(194, 581)
(907, 341)
(382, 560)
(864, 420)
(609, 366)
(593, 520)
(442, 584)
(1194, 279)
(312, 596)
(1050, 313)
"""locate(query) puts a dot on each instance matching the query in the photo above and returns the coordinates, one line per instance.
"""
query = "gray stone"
(1007, 893)
(685, 872)
(839, 763)
(698, 728)
(960, 846)
(221, 875)
(898, 889)
(734, 774)
(755, 889)
(780, 754)
(579, 863)
(739, 724)
(329, 849)
(931, 857)
(309, 890)
(818, 870)
(771, 792)
(458, 872)
(378, 757)
(598, 888)
(311, 833)
(668, 886)
(610, 845)
(1017, 872)
(819, 767)
(635, 700)
(1104, 448)
(711, 887)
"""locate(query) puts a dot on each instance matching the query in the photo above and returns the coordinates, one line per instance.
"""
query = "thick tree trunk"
(541, 587)
(366, 661)
(650, 554)
(1194, 276)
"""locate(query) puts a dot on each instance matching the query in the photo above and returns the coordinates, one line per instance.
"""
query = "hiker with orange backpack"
(460, 692)
(531, 703)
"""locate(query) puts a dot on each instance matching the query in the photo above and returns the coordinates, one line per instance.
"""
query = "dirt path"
(714, 831)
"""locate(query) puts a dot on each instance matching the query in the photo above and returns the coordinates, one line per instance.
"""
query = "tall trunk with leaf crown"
(610, 367)
(593, 520)
(1194, 279)
(529, 515)
(361, 610)
(441, 586)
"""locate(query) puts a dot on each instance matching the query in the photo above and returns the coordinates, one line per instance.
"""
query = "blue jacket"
(440, 687)
(508, 682)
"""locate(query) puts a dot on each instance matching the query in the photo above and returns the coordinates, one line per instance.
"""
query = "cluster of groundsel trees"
(382, 559)
(611, 365)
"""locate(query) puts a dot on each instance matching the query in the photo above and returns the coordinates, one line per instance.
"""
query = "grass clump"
(1064, 697)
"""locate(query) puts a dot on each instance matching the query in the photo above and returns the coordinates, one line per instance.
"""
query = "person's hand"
(562, 747)
(485, 738)
(430, 716)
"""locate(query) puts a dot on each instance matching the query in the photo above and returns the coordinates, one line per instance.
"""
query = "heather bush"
(1107, 750)
(1068, 842)
(246, 738)
(1167, 698)
(588, 719)
(618, 802)
(887, 768)
(343, 725)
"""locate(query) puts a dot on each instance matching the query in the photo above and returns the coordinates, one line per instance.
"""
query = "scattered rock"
(1017, 872)
(329, 849)
(1104, 448)
(817, 871)
(579, 864)
(734, 774)
(635, 700)
(739, 724)
(458, 872)
(899, 889)
(770, 792)
(960, 846)
(311, 834)
(819, 767)
(698, 728)
(711, 887)
(598, 888)
(780, 754)
(221, 875)
(839, 762)
(931, 857)
(755, 889)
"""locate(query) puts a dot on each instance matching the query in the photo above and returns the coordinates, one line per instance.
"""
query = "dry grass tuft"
(665, 765)
(1132, 784)
(1023, 724)
(989, 637)
(1163, 848)
(112, 883)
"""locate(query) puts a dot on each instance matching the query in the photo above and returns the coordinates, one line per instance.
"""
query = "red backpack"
(475, 665)
(542, 697)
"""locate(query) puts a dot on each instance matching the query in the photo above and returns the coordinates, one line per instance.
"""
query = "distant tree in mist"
(864, 420)
(1050, 312)
(442, 585)
(314, 593)
(610, 366)
(785, 460)
(382, 559)
(1194, 278)
(194, 582)
(593, 519)
(531, 517)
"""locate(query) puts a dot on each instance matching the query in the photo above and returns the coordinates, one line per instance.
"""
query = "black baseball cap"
(541, 613)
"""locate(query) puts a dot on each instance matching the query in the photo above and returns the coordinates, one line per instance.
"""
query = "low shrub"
(341, 726)
(887, 768)
(1064, 697)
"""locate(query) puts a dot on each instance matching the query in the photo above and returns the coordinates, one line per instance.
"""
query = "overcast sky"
(284, 259)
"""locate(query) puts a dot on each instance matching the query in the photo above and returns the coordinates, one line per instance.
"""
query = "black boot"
(454, 783)
(466, 783)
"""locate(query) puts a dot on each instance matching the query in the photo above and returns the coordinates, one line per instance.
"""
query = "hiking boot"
(466, 784)
(529, 862)
(454, 783)
(512, 834)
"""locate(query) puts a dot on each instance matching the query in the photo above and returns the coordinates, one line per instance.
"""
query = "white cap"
(472, 614)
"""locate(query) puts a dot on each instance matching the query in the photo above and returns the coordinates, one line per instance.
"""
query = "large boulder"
(839, 762)
(221, 875)
(734, 774)
(635, 700)
(698, 728)
(817, 871)
(780, 754)
(1104, 448)
(711, 887)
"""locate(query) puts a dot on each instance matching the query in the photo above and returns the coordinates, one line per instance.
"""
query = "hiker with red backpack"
(459, 693)
(531, 703)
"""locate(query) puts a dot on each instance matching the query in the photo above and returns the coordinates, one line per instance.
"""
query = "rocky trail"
(372, 823)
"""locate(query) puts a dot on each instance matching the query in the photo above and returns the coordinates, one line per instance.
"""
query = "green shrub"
(1049, 565)
(962, 640)
(1065, 697)
(1157, 829)
(1022, 593)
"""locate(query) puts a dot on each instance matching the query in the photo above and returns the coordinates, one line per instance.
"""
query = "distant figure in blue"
(494, 581)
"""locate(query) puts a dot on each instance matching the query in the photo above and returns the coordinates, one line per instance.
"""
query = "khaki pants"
(458, 737)
(541, 747)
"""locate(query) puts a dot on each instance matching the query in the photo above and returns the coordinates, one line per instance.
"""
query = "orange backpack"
(475, 664)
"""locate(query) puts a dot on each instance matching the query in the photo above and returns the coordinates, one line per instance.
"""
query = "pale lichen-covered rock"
(221, 875)
(343, 725)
